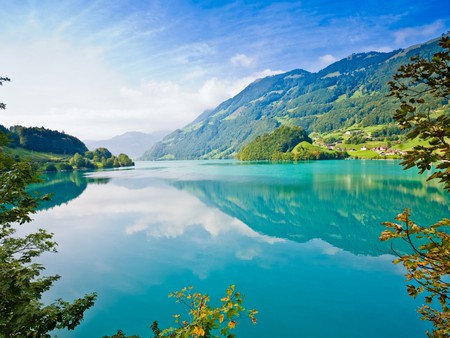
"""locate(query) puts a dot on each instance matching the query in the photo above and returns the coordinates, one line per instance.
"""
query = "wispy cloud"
(404, 35)
(326, 60)
(242, 60)
(145, 65)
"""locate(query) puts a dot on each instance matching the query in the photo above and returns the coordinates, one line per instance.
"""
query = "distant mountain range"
(348, 93)
(134, 143)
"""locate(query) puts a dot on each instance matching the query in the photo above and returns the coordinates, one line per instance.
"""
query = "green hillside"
(350, 93)
(275, 145)
(43, 140)
(52, 150)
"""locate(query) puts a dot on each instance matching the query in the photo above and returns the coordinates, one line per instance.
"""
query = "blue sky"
(96, 69)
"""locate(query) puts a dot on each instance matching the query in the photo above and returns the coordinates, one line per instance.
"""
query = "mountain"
(134, 143)
(348, 93)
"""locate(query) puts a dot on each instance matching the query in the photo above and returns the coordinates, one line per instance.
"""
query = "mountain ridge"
(350, 92)
(132, 143)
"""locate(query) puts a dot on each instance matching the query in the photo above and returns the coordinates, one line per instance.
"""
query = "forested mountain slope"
(43, 140)
(349, 92)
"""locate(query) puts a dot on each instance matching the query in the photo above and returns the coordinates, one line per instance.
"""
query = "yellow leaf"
(232, 324)
(198, 331)
(221, 317)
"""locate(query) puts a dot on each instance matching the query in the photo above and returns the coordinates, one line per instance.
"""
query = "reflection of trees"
(63, 187)
(344, 210)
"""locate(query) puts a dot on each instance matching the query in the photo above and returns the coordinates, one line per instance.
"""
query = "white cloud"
(327, 59)
(322, 62)
(242, 60)
(71, 88)
(405, 35)
(238, 85)
(192, 53)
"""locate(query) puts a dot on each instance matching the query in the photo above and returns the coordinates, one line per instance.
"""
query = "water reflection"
(64, 187)
(343, 209)
(300, 241)
(342, 202)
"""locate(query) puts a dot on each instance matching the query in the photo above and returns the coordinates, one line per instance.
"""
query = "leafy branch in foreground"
(3, 79)
(428, 266)
(204, 320)
(413, 85)
(22, 314)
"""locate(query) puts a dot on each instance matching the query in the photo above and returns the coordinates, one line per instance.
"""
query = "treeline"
(43, 140)
(307, 151)
(286, 144)
(274, 146)
(101, 158)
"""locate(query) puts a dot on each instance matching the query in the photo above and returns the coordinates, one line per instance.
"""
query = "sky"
(97, 69)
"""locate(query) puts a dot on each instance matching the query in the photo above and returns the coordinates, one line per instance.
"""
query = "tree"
(78, 161)
(428, 266)
(21, 287)
(203, 320)
(271, 146)
(415, 84)
(3, 79)
(22, 314)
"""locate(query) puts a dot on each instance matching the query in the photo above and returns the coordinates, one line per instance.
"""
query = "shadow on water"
(63, 187)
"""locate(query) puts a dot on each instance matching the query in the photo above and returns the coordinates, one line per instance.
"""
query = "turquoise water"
(299, 240)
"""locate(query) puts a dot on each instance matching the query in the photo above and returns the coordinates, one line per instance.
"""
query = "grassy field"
(354, 150)
(37, 156)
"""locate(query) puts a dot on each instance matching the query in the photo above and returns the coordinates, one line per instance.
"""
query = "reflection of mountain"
(63, 187)
(344, 210)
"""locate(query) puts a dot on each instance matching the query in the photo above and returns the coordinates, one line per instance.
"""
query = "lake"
(300, 241)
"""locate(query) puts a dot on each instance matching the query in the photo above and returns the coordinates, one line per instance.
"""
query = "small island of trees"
(286, 143)
(99, 158)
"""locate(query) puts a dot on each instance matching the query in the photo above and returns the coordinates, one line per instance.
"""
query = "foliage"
(390, 132)
(272, 146)
(415, 84)
(121, 334)
(356, 138)
(5, 160)
(22, 314)
(3, 79)
(307, 151)
(429, 263)
(45, 140)
(428, 266)
(203, 320)
(99, 158)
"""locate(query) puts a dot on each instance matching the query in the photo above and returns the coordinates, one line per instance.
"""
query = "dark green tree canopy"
(281, 140)
(45, 140)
